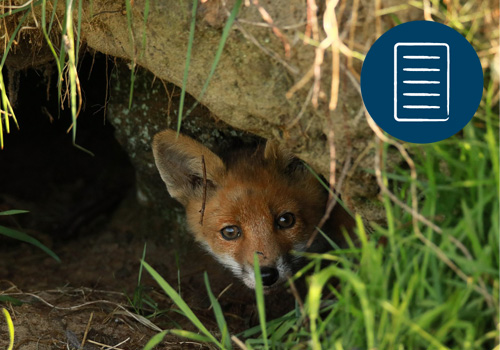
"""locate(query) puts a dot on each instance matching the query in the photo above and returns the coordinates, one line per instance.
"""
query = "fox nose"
(269, 275)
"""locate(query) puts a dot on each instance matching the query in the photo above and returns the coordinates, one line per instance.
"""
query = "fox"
(261, 200)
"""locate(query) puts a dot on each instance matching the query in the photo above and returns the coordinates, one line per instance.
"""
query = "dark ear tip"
(295, 164)
(163, 140)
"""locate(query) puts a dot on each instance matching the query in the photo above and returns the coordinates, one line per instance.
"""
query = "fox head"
(261, 201)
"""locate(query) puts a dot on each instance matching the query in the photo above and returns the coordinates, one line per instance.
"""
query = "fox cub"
(252, 201)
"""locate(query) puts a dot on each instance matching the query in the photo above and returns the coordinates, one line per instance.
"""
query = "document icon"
(421, 82)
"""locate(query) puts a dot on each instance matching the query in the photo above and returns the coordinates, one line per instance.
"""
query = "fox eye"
(286, 220)
(230, 233)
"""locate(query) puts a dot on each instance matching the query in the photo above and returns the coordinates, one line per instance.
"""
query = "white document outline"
(447, 82)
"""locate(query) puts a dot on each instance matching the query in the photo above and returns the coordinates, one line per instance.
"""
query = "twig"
(204, 200)
(292, 69)
(267, 25)
(302, 110)
(266, 17)
(296, 295)
(220, 294)
(298, 85)
(333, 197)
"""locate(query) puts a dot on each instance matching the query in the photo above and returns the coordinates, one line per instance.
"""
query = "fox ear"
(179, 161)
(282, 158)
(275, 153)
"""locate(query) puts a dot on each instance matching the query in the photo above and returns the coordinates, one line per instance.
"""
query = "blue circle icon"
(421, 82)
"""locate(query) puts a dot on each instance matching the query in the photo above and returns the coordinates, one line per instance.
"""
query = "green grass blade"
(13, 212)
(218, 54)
(144, 23)
(415, 328)
(128, 7)
(47, 38)
(53, 15)
(172, 294)
(186, 66)
(259, 296)
(155, 340)
(21, 236)
(10, 328)
(191, 335)
(11, 300)
(139, 278)
(74, 84)
(78, 31)
(219, 315)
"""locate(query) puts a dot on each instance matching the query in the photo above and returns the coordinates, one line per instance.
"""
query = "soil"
(85, 209)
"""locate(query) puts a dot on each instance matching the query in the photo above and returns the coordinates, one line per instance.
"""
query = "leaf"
(21, 236)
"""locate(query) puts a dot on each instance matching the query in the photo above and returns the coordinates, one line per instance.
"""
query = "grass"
(10, 327)
(218, 54)
(21, 236)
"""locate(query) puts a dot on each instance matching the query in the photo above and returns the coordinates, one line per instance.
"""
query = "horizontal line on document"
(421, 107)
(421, 69)
(421, 82)
(422, 57)
(419, 94)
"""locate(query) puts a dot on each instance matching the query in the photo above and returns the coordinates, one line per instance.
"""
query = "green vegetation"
(21, 236)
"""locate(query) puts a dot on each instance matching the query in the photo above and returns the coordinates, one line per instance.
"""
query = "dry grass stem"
(296, 295)
(238, 342)
(221, 294)
(320, 50)
(120, 309)
(87, 330)
(109, 347)
(378, 18)
(312, 21)
(427, 10)
(352, 32)
(14, 7)
(331, 29)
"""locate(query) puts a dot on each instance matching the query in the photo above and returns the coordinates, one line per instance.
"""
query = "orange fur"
(252, 191)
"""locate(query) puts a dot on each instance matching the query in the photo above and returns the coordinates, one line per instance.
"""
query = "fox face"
(261, 201)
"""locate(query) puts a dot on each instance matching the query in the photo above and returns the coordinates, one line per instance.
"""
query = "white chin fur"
(246, 273)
